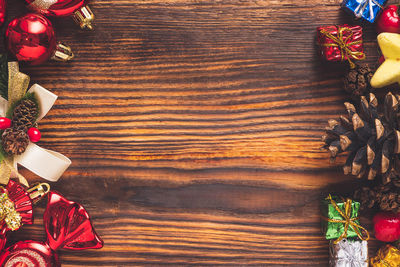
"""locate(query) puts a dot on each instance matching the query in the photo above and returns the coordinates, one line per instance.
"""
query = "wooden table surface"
(194, 130)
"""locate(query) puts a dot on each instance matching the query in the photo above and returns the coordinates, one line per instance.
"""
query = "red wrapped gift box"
(340, 43)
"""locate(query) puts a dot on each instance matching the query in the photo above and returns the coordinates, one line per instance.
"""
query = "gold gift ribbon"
(385, 256)
(343, 45)
(8, 213)
(17, 85)
(347, 220)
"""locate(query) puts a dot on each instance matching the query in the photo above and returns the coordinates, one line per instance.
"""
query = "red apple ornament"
(31, 38)
(78, 9)
(389, 20)
(387, 226)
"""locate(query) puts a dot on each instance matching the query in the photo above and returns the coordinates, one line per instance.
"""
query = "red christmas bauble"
(56, 7)
(34, 134)
(61, 8)
(2, 11)
(31, 38)
(5, 123)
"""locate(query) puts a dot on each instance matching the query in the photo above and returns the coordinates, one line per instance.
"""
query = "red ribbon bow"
(67, 226)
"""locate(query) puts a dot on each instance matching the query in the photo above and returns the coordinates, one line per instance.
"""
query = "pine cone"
(371, 138)
(14, 141)
(24, 115)
(366, 196)
(357, 81)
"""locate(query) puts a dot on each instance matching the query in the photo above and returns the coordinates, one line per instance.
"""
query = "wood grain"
(194, 130)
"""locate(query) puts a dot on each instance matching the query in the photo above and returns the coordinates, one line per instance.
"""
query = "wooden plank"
(194, 130)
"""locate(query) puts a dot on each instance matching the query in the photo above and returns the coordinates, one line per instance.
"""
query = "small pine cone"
(390, 202)
(14, 141)
(357, 81)
(24, 115)
(366, 197)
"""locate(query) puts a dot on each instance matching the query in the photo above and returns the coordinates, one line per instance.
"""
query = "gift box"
(340, 43)
(348, 253)
(340, 219)
(387, 256)
(366, 9)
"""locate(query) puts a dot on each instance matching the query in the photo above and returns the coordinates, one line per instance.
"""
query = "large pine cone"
(14, 141)
(357, 81)
(24, 115)
(371, 138)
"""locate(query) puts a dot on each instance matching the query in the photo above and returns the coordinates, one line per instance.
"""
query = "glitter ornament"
(16, 206)
(31, 38)
(67, 226)
(78, 9)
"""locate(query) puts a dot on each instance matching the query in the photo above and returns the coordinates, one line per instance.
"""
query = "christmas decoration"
(31, 38)
(387, 226)
(34, 134)
(340, 43)
(67, 226)
(387, 256)
(25, 109)
(386, 197)
(5, 123)
(14, 142)
(340, 219)
(372, 139)
(389, 71)
(25, 114)
(79, 9)
(389, 20)
(348, 253)
(357, 81)
(366, 9)
(3, 7)
(16, 206)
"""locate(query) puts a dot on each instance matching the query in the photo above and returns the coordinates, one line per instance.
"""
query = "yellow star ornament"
(389, 71)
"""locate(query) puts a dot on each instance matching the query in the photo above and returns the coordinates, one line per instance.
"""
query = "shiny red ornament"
(387, 226)
(5, 123)
(79, 9)
(389, 20)
(3, 9)
(23, 201)
(34, 134)
(67, 226)
(340, 43)
(31, 38)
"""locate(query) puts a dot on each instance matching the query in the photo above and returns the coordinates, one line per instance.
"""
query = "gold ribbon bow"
(8, 213)
(344, 46)
(347, 220)
(386, 256)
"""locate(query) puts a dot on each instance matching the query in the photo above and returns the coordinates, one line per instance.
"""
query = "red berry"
(5, 123)
(387, 226)
(34, 134)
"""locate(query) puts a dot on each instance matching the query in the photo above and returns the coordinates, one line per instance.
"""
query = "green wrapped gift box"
(333, 224)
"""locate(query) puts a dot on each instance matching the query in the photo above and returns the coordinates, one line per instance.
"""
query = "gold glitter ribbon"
(18, 83)
(386, 256)
(8, 214)
(344, 46)
(347, 220)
